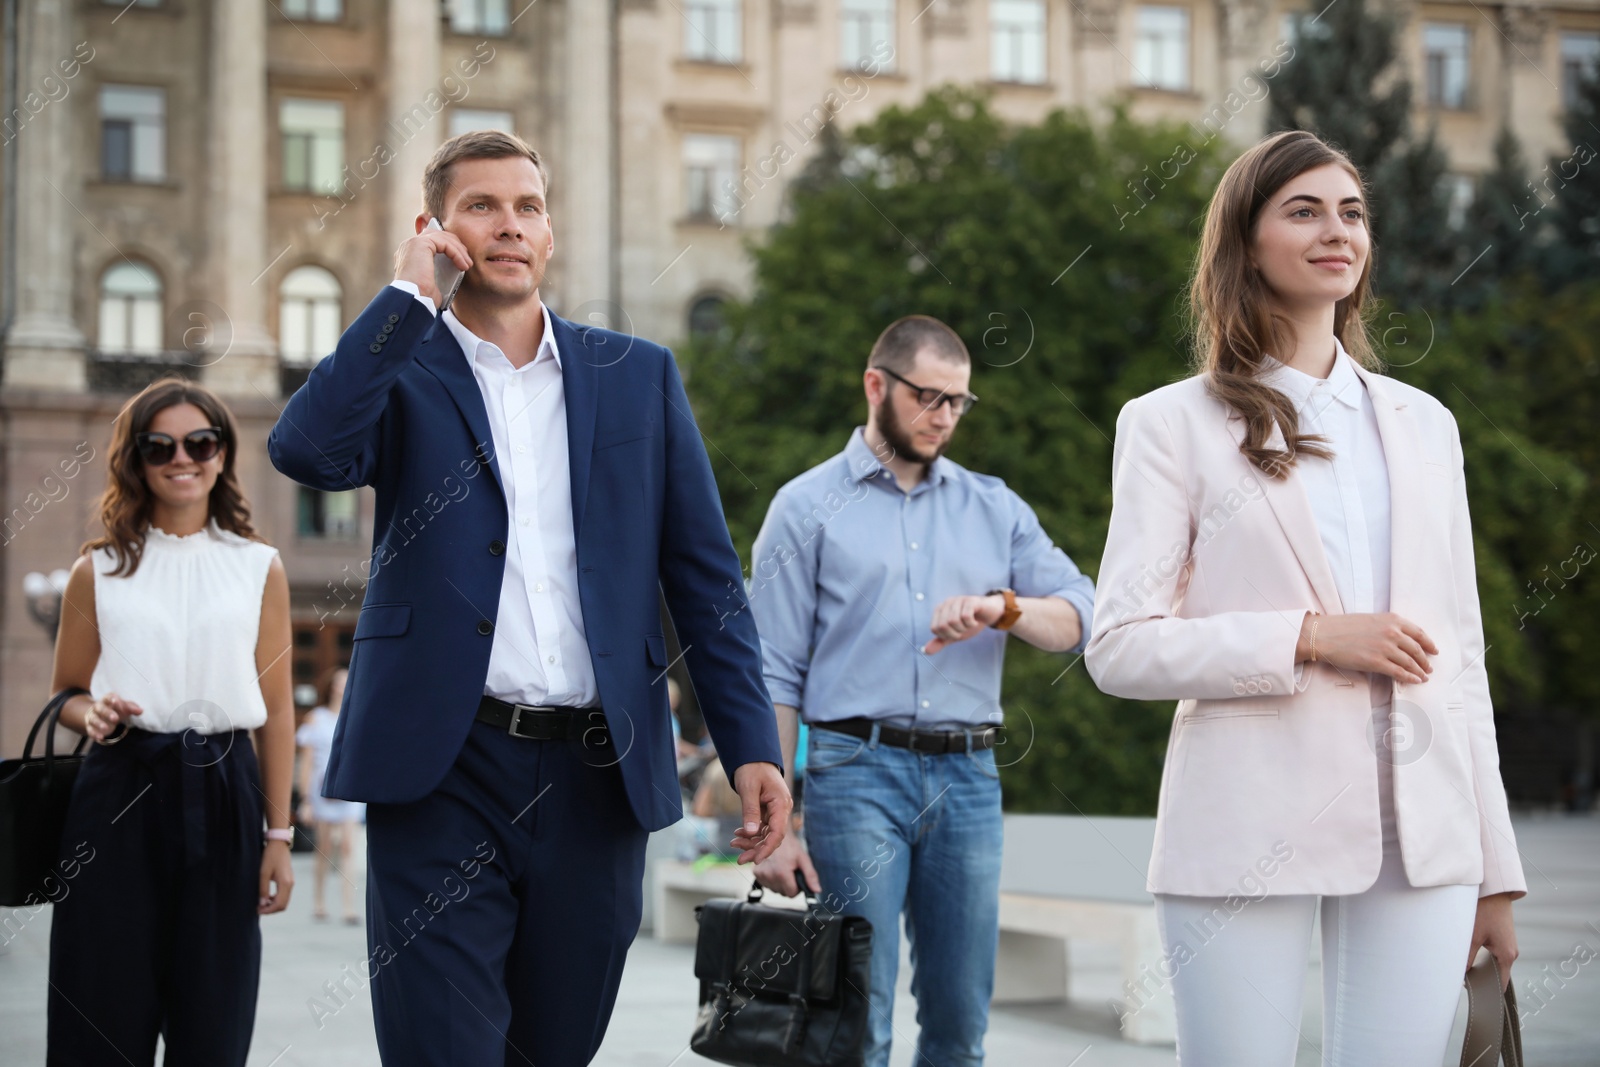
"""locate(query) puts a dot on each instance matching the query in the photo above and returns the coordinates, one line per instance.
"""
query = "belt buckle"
(516, 718)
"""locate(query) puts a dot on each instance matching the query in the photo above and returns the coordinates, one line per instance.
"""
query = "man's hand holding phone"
(426, 259)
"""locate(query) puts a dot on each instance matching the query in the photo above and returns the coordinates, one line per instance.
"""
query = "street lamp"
(43, 594)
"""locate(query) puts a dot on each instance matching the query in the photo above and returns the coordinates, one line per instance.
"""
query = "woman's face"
(1311, 239)
(184, 481)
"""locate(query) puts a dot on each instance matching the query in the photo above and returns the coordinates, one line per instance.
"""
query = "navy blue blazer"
(396, 407)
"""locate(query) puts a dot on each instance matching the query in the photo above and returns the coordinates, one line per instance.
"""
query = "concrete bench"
(1075, 878)
(679, 889)
(1062, 879)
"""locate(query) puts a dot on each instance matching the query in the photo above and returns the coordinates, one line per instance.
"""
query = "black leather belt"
(938, 742)
(537, 722)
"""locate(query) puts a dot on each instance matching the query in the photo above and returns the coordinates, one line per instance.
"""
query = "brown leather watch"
(1012, 613)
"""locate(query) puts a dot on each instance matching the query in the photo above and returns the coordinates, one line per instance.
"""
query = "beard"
(900, 439)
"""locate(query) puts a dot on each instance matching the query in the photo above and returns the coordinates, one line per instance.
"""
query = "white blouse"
(1349, 498)
(178, 636)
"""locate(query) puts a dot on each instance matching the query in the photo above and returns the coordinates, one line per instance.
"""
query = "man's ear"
(422, 221)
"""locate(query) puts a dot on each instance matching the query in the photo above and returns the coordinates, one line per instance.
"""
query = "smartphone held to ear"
(446, 275)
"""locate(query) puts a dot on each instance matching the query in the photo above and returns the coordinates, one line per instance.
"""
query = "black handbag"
(34, 792)
(781, 988)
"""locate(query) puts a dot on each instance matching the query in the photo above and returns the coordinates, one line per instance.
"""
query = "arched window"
(308, 315)
(706, 319)
(130, 309)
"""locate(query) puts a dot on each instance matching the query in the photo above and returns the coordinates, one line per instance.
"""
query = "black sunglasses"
(159, 449)
(960, 403)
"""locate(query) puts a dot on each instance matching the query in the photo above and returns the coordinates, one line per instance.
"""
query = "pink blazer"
(1209, 568)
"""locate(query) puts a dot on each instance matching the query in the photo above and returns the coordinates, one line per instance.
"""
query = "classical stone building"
(216, 187)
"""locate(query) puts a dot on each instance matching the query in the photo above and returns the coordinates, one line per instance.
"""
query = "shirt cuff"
(411, 287)
(1085, 608)
(782, 692)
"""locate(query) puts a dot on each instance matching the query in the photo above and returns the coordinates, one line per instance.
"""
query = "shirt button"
(485, 627)
(538, 587)
(919, 596)
(496, 547)
(913, 546)
(552, 659)
(525, 521)
(924, 703)
(521, 449)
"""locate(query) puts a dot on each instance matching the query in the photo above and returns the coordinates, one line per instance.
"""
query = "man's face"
(497, 208)
(914, 428)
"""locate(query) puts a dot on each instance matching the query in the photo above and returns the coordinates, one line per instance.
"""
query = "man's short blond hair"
(479, 144)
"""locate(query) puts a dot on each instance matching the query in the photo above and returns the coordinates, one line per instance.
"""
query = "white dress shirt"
(1349, 497)
(540, 653)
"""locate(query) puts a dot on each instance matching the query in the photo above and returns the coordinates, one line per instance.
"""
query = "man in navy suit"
(538, 484)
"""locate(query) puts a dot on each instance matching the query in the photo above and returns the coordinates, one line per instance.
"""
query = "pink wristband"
(286, 835)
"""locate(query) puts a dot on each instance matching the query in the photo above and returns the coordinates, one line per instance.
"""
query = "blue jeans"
(893, 831)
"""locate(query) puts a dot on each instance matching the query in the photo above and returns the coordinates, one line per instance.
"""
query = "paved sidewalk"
(306, 1020)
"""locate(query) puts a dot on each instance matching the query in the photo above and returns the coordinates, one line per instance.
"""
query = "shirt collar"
(1342, 385)
(478, 349)
(865, 465)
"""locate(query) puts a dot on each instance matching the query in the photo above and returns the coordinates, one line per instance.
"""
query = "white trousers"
(1393, 959)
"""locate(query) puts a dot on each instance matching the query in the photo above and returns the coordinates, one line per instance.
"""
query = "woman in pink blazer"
(1290, 558)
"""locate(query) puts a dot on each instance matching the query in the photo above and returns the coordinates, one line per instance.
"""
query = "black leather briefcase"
(34, 792)
(782, 988)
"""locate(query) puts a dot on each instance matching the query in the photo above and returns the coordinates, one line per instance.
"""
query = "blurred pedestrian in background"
(334, 821)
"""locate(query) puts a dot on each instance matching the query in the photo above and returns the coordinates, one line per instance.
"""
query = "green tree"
(1568, 190)
(1060, 253)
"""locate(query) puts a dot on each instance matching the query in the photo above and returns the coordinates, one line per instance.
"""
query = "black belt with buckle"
(538, 722)
(938, 742)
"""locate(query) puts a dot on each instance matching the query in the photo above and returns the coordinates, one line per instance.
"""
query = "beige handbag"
(1494, 1031)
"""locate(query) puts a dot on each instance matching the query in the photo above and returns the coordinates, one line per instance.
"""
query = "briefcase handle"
(47, 720)
(754, 896)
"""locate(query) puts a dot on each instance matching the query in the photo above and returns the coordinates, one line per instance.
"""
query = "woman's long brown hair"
(126, 503)
(1235, 322)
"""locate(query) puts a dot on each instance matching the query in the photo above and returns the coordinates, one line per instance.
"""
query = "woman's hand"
(1386, 644)
(105, 713)
(1493, 930)
(277, 877)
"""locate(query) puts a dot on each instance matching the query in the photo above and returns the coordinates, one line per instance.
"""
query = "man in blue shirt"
(884, 583)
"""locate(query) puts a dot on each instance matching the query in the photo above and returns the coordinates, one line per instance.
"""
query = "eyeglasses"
(960, 403)
(159, 449)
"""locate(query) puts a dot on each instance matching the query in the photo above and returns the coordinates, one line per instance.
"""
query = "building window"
(131, 3)
(710, 165)
(314, 10)
(712, 31)
(480, 16)
(1580, 59)
(1459, 192)
(130, 310)
(468, 119)
(330, 515)
(308, 315)
(1444, 58)
(133, 122)
(1161, 48)
(706, 317)
(1016, 41)
(866, 34)
(313, 144)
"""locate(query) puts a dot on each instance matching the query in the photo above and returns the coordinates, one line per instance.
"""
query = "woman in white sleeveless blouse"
(176, 620)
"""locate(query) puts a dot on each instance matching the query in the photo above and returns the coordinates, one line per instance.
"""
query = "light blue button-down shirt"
(849, 569)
